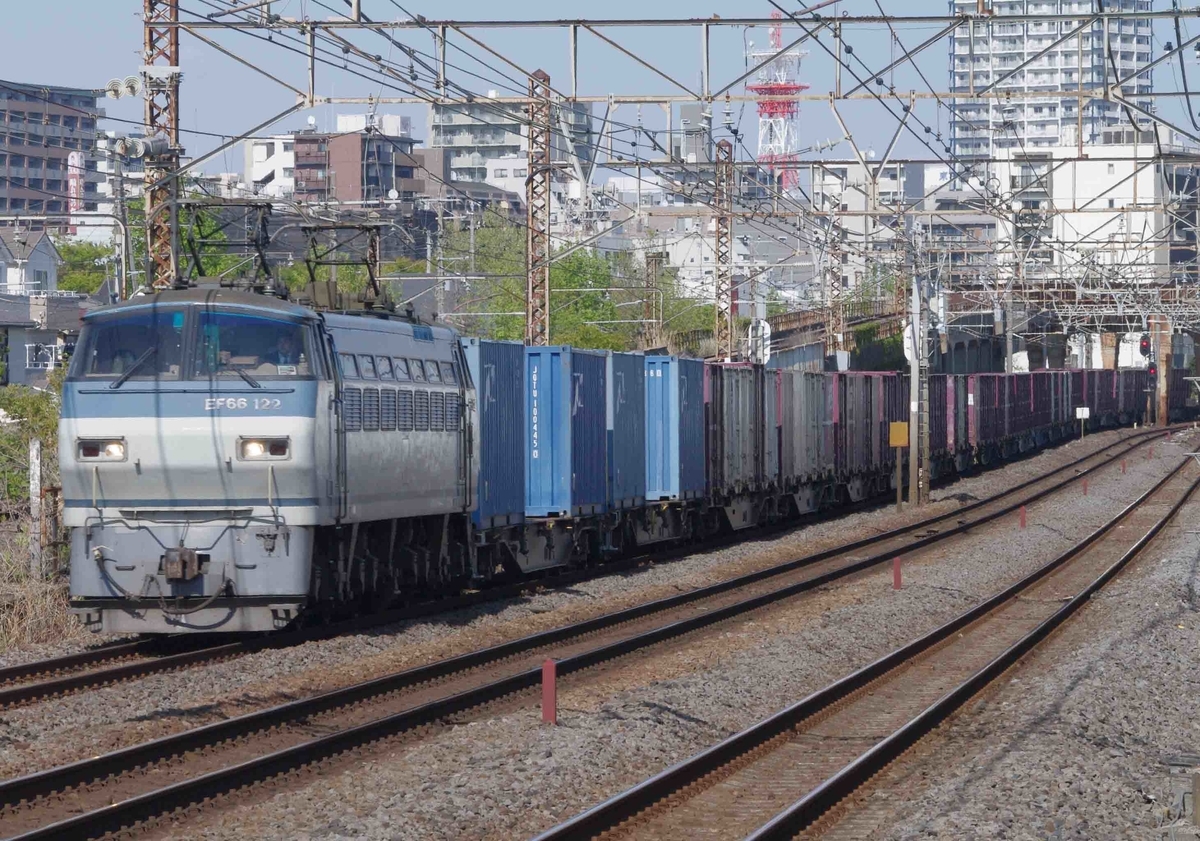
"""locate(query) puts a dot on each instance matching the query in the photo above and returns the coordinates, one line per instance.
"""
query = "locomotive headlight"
(112, 449)
(254, 449)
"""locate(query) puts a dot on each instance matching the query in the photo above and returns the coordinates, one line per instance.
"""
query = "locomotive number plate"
(260, 404)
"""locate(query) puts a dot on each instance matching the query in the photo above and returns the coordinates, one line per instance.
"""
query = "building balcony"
(44, 357)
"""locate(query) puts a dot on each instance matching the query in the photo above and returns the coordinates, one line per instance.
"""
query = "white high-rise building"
(988, 53)
(484, 131)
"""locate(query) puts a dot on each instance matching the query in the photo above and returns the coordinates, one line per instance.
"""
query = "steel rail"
(11, 696)
(91, 657)
(827, 795)
(628, 804)
(155, 803)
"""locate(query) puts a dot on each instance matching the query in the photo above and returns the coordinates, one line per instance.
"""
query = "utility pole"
(914, 395)
(439, 292)
(161, 57)
(651, 323)
(923, 397)
(537, 208)
(924, 322)
(1008, 331)
(35, 509)
(723, 201)
(471, 218)
(1162, 340)
(122, 216)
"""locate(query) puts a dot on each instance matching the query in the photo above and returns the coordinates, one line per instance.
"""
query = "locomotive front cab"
(187, 447)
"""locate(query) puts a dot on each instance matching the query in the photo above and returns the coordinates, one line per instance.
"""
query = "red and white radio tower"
(778, 130)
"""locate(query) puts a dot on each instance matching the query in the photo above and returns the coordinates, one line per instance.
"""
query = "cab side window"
(366, 366)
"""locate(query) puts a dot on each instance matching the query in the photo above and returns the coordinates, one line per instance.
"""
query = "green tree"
(84, 265)
(596, 298)
(28, 413)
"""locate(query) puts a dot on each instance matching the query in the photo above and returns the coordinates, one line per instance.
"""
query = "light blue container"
(674, 428)
(497, 371)
(566, 438)
(662, 428)
(626, 422)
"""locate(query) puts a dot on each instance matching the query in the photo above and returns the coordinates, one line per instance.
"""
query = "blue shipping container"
(692, 477)
(626, 422)
(497, 370)
(674, 428)
(662, 427)
(566, 436)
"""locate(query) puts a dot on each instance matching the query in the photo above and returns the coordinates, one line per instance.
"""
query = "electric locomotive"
(230, 460)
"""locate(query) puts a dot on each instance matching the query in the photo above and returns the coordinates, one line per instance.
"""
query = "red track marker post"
(1085, 487)
(896, 574)
(1122, 467)
(550, 692)
(1022, 517)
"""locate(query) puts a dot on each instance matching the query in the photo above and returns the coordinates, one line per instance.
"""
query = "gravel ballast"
(65, 729)
(505, 776)
(1078, 742)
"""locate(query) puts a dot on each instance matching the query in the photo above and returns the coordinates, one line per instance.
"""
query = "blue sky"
(92, 41)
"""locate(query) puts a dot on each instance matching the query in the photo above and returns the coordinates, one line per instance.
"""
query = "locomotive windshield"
(143, 344)
(174, 343)
(234, 344)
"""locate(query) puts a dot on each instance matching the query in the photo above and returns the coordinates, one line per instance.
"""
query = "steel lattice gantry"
(537, 208)
(723, 201)
(161, 56)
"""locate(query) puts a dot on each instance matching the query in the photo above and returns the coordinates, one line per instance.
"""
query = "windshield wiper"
(249, 379)
(137, 363)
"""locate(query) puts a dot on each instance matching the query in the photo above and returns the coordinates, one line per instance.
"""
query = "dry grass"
(31, 611)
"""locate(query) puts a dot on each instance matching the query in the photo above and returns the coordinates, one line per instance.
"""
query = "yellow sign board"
(898, 434)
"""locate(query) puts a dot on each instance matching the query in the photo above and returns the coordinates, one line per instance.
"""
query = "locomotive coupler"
(181, 564)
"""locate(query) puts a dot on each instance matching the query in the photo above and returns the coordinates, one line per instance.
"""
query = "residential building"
(350, 167)
(47, 159)
(987, 54)
(270, 165)
(1125, 213)
(129, 177)
(31, 262)
(859, 237)
(478, 132)
(570, 215)
(270, 162)
(423, 176)
(35, 333)
(690, 246)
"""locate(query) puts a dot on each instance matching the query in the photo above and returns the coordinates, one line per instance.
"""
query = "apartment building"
(47, 141)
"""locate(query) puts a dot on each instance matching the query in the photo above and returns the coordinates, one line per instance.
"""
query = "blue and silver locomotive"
(230, 460)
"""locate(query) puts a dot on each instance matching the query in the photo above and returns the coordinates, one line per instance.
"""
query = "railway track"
(110, 664)
(141, 782)
(787, 775)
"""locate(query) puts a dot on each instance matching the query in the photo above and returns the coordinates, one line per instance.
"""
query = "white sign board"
(1083, 413)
